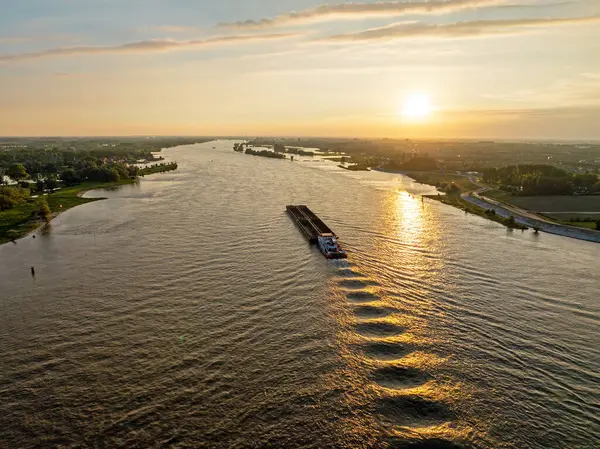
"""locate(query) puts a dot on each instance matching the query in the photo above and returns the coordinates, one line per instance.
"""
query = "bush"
(51, 183)
(69, 177)
(12, 196)
(598, 224)
(17, 172)
(43, 210)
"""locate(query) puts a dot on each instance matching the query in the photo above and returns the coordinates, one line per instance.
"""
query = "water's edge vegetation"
(24, 218)
(19, 221)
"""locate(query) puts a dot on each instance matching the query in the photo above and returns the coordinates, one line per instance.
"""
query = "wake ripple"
(375, 326)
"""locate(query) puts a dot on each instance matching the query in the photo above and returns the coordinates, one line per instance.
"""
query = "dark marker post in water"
(33, 271)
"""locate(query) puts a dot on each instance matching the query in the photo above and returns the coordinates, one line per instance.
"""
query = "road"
(526, 217)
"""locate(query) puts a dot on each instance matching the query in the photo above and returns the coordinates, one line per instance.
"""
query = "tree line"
(531, 180)
(265, 153)
(279, 148)
(41, 171)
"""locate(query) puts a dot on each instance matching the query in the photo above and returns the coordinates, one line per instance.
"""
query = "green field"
(499, 195)
(20, 220)
(581, 224)
(567, 216)
(552, 204)
(559, 203)
(560, 208)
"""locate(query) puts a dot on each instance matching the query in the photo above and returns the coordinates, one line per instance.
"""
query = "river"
(188, 311)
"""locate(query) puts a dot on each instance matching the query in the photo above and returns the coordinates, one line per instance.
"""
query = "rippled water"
(188, 311)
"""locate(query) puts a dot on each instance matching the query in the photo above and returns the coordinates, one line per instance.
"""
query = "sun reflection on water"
(409, 216)
(390, 332)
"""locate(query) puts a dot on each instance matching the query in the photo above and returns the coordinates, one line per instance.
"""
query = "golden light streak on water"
(409, 216)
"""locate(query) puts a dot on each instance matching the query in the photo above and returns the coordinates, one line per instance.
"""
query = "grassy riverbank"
(457, 201)
(22, 219)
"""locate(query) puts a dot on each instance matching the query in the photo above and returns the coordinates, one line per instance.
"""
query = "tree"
(51, 183)
(12, 196)
(39, 185)
(50, 167)
(112, 175)
(69, 177)
(43, 210)
(417, 163)
(17, 172)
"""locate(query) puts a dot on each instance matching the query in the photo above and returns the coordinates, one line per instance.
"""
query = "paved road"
(526, 217)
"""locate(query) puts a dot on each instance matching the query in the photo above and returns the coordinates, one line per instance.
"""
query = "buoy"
(33, 235)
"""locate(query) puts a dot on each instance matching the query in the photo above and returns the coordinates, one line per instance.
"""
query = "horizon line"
(595, 140)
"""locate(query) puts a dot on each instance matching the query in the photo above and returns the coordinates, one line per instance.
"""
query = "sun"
(416, 107)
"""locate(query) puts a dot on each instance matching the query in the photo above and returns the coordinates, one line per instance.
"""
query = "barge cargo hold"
(316, 231)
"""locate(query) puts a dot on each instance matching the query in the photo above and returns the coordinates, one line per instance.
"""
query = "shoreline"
(24, 223)
(477, 203)
(530, 219)
(459, 202)
(59, 201)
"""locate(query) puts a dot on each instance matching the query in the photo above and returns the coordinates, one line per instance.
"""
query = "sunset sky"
(511, 69)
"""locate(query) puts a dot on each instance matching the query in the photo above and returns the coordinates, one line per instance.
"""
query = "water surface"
(188, 311)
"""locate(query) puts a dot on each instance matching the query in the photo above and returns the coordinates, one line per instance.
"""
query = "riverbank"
(531, 219)
(157, 168)
(474, 201)
(436, 179)
(21, 220)
(461, 203)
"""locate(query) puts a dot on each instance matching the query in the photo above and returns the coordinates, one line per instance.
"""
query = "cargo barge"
(316, 231)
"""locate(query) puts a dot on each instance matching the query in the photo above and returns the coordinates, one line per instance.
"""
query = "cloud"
(149, 46)
(457, 30)
(536, 5)
(360, 10)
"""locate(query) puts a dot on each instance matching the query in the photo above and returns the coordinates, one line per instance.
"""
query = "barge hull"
(313, 228)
